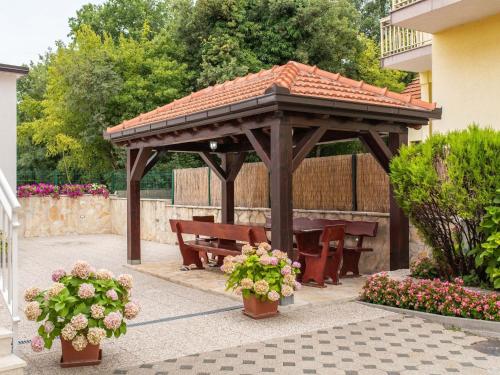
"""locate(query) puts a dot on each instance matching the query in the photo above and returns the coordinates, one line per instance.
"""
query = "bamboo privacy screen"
(319, 183)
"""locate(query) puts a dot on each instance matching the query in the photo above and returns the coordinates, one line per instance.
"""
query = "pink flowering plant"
(432, 296)
(83, 307)
(267, 274)
(55, 191)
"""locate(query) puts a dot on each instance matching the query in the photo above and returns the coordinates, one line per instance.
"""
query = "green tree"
(94, 83)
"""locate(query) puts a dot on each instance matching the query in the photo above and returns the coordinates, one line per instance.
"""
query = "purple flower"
(37, 344)
(58, 274)
(111, 294)
(273, 261)
(287, 270)
(296, 265)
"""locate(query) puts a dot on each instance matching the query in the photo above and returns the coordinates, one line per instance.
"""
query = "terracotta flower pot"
(89, 356)
(257, 309)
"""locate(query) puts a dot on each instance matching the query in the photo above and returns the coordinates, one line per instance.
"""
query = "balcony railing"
(398, 4)
(9, 207)
(395, 39)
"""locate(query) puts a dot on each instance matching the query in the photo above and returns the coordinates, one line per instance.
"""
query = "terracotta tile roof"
(298, 78)
(413, 89)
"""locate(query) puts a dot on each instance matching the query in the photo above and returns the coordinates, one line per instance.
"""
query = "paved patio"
(178, 321)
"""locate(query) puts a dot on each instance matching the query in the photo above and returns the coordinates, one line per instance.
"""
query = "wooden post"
(133, 212)
(281, 186)
(137, 161)
(227, 192)
(399, 223)
(231, 164)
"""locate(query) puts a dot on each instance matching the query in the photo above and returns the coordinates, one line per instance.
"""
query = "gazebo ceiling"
(291, 87)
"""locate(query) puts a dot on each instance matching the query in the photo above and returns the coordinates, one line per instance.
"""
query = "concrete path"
(177, 321)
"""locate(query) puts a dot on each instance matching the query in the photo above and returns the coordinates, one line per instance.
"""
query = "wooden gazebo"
(280, 113)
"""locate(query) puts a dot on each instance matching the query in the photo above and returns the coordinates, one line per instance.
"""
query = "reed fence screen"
(326, 183)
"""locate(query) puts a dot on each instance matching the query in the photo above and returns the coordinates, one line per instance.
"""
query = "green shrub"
(444, 185)
(488, 254)
(424, 268)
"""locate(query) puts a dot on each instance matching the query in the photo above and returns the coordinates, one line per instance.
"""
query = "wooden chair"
(360, 230)
(321, 261)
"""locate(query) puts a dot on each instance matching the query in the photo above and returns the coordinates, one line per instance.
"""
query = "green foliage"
(127, 57)
(488, 253)
(444, 185)
(424, 268)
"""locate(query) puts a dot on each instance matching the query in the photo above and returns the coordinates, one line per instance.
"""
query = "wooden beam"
(334, 123)
(306, 144)
(376, 145)
(399, 226)
(152, 161)
(281, 186)
(140, 162)
(261, 144)
(213, 165)
(236, 162)
(133, 211)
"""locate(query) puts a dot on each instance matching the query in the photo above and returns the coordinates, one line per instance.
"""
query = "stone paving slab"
(212, 280)
(390, 345)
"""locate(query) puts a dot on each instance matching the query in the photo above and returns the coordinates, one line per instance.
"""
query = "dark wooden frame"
(282, 128)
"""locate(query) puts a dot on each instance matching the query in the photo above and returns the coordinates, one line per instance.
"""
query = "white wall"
(8, 122)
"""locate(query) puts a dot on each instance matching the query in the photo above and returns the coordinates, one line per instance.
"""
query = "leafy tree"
(371, 12)
(123, 17)
(94, 83)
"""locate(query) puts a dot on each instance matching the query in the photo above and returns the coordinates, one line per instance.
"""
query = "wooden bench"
(229, 239)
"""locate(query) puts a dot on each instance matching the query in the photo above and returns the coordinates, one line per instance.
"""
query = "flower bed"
(55, 191)
(432, 296)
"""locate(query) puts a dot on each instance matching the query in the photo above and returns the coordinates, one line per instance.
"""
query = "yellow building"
(454, 46)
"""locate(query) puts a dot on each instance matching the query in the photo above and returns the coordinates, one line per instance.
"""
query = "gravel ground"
(178, 334)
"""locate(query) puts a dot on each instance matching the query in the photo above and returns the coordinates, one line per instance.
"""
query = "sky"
(29, 27)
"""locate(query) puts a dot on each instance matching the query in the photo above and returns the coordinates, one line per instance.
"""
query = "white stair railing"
(9, 208)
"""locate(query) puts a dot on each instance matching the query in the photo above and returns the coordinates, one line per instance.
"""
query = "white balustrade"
(395, 39)
(9, 207)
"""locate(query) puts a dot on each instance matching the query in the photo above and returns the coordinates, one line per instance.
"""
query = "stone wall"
(45, 216)
(95, 215)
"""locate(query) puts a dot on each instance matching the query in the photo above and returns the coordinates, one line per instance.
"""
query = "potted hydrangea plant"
(82, 308)
(262, 276)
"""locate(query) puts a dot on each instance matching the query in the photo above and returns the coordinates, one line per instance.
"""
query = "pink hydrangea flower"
(287, 270)
(125, 280)
(79, 322)
(86, 291)
(113, 320)
(131, 310)
(48, 326)
(81, 269)
(37, 344)
(273, 295)
(273, 261)
(296, 265)
(111, 294)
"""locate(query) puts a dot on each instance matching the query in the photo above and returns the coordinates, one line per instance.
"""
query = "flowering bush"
(55, 191)
(267, 274)
(432, 296)
(83, 307)
(424, 268)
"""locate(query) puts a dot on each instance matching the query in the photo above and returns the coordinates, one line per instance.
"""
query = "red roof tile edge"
(283, 76)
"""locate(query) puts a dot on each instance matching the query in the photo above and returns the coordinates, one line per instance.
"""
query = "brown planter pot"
(89, 356)
(257, 309)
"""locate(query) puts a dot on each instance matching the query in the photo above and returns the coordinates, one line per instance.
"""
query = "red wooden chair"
(320, 260)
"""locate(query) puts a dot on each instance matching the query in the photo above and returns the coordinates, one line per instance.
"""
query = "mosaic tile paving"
(392, 345)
